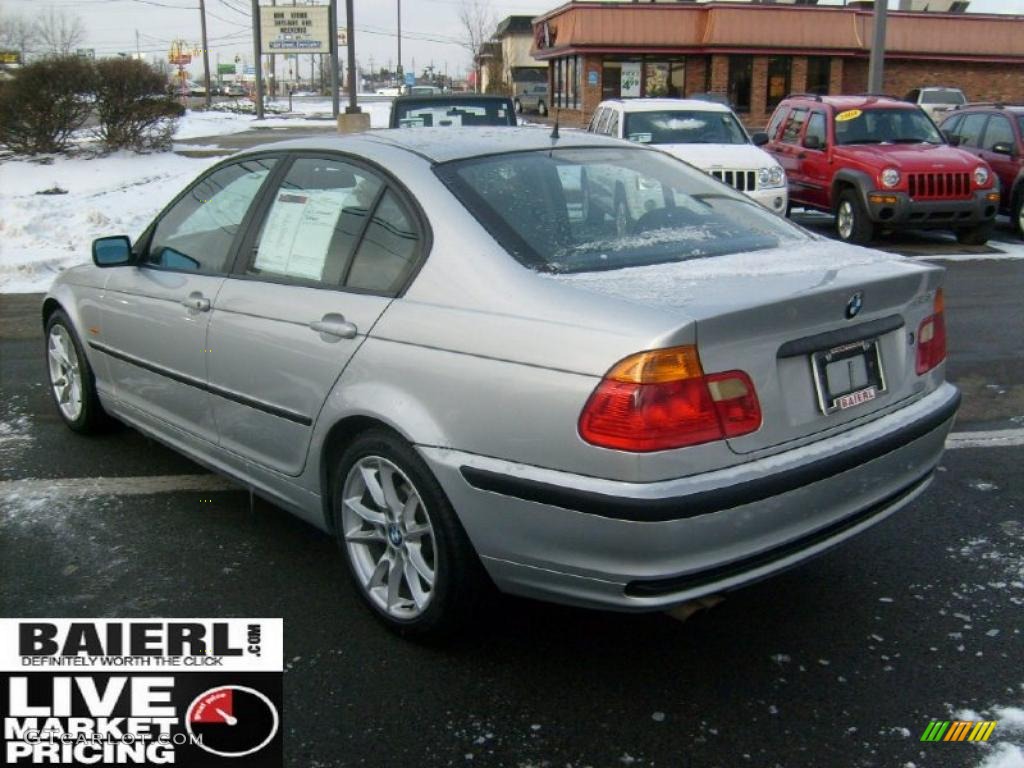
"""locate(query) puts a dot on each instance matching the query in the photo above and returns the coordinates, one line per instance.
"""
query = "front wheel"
(72, 383)
(1017, 213)
(978, 235)
(542, 108)
(852, 222)
(407, 553)
(519, 107)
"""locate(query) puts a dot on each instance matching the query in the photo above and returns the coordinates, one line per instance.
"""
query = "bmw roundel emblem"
(854, 305)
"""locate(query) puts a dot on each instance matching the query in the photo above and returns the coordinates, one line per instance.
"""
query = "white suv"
(702, 133)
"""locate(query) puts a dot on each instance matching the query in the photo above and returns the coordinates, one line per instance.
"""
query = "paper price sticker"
(850, 114)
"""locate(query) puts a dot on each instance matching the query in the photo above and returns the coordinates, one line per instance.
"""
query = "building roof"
(513, 24)
(603, 27)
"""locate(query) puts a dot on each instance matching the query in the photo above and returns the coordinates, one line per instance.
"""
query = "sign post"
(333, 25)
(257, 45)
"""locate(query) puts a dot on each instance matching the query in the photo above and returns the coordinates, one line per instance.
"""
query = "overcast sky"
(430, 28)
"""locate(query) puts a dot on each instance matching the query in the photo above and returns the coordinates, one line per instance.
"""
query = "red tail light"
(931, 337)
(662, 399)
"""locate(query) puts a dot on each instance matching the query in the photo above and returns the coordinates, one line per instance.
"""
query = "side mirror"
(760, 139)
(1003, 148)
(812, 142)
(952, 138)
(112, 251)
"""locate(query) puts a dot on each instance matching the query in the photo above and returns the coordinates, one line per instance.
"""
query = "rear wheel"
(852, 222)
(407, 553)
(72, 384)
(542, 108)
(519, 107)
(978, 235)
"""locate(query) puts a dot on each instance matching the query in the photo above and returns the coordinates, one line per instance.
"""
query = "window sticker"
(850, 114)
(298, 232)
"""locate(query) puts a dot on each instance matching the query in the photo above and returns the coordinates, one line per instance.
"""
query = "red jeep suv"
(995, 133)
(880, 163)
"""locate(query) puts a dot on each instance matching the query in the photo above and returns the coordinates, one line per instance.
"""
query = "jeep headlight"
(981, 176)
(772, 176)
(890, 177)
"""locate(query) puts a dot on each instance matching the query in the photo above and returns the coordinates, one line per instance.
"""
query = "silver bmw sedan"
(569, 367)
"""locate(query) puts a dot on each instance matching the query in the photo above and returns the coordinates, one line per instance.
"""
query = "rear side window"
(791, 133)
(595, 120)
(613, 124)
(602, 121)
(950, 125)
(314, 221)
(197, 233)
(971, 128)
(388, 250)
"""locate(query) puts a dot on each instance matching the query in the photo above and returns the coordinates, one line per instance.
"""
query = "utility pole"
(273, 69)
(138, 49)
(353, 107)
(206, 52)
(876, 64)
(332, 15)
(399, 40)
(257, 45)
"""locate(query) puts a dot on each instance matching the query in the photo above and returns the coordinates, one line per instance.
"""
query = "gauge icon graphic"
(232, 721)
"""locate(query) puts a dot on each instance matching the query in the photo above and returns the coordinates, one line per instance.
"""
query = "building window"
(778, 80)
(819, 73)
(741, 70)
(707, 74)
(567, 87)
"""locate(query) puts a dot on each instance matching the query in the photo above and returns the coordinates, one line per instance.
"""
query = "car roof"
(659, 105)
(460, 97)
(988, 107)
(440, 145)
(851, 102)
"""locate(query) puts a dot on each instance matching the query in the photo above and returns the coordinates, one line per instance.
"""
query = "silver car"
(448, 348)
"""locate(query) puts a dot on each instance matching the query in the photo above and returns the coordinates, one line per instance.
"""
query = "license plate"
(848, 376)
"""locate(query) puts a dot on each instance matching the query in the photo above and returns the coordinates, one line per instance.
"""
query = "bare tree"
(478, 23)
(19, 34)
(59, 33)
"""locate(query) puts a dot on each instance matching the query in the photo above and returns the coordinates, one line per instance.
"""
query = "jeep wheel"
(978, 235)
(1017, 213)
(852, 222)
(519, 107)
(542, 108)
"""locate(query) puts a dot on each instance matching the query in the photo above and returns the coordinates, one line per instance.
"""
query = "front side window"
(971, 128)
(684, 127)
(316, 218)
(998, 131)
(773, 125)
(589, 209)
(816, 127)
(885, 126)
(197, 233)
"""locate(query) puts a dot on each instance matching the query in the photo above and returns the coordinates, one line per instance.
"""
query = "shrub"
(132, 107)
(45, 103)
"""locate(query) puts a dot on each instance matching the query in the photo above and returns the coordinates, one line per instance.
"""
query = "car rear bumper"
(931, 214)
(648, 546)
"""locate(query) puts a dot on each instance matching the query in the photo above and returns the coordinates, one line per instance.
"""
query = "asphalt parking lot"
(841, 662)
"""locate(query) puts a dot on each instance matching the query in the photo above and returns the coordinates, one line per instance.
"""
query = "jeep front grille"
(939, 185)
(744, 181)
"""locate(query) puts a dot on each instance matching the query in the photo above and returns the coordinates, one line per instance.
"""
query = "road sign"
(10, 57)
(179, 54)
(410, 78)
(342, 37)
(226, 69)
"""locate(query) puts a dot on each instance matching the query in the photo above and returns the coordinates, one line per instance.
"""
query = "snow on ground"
(309, 112)
(114, 195)
(1005, 749)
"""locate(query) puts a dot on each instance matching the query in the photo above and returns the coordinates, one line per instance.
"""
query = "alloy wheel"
(389, 537)
(844, 219)
(65, 373)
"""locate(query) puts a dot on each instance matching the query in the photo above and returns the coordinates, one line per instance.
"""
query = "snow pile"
(1006, 750)
(198, 124)
(114, 195)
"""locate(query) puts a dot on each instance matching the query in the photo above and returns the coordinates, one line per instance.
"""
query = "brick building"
(756, 54)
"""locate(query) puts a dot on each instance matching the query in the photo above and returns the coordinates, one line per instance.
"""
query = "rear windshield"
(942, 97)
(590, 209)
(885, 126)
(684, 127)
(434, 113)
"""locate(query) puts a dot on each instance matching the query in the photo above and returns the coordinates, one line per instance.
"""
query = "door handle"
(197, 302)
(334, 327)
(802, 156)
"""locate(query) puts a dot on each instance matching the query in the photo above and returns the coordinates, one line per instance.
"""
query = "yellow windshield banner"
(850, 114)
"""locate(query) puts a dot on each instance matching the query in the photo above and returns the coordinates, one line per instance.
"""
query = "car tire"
(407, 553)
(519, 107)
(1017, 212)
(542, 108)
(978, 235)
(852, 222)
(72, 383)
